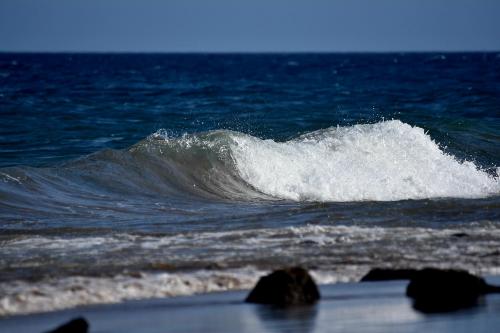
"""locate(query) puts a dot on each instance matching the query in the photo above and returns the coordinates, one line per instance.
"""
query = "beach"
(348, 307)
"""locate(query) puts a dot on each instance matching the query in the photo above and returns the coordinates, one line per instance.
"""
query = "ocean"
(134, 176)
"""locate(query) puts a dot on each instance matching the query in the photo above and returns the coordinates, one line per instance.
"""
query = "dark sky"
(249, 26)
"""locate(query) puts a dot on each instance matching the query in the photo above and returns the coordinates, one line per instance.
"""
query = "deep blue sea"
(128, 176)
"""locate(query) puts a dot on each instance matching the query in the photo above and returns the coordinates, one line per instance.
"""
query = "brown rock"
(77, 325)
(285, 287)
(386, 274)
(438, 290)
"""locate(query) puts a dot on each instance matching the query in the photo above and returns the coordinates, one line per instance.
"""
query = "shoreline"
(26, 298)
(367, 307)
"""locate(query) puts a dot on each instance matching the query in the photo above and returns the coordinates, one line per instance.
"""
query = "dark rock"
(386, 274)
(285, 287)
(460, 235)
(77, 325)
(436, 290)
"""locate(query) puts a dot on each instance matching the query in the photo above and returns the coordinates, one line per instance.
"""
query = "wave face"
(385, 161)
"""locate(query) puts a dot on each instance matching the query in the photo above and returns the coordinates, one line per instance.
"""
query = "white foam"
(341, 253)
(19, 297)
(385, 161)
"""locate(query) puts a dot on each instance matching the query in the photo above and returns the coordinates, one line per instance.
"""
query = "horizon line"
(243, 52)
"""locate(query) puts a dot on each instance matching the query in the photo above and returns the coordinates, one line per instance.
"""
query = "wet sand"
(350, 307)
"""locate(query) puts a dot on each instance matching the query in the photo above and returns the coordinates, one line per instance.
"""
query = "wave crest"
(385, 161)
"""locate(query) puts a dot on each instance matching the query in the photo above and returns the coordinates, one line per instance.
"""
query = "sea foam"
(386, 161)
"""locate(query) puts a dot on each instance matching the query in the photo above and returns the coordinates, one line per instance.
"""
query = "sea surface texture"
(138, 176)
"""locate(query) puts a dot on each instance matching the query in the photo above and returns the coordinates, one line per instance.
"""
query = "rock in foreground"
(77, 325)
(387, 274)
(285, 287)
(436, 290)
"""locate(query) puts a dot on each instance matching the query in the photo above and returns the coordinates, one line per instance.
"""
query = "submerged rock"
(437, 290)
(285, 287)
(77, 325)
(386, 274)
(460, 235)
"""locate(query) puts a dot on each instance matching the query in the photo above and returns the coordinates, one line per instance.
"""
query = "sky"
(249, 25)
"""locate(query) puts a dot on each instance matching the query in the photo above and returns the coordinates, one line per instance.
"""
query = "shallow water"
(135, 176)
(351, 307)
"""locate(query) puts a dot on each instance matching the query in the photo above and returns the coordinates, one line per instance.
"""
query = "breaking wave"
(385, 161)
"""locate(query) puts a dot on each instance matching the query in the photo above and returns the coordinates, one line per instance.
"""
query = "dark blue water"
(61, 106)
(217, 166)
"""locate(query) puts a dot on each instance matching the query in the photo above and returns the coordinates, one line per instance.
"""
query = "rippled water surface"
(135, 176)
